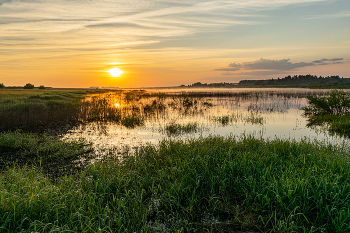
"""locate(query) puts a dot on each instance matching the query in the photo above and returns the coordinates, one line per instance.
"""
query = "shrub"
(2, 85)
(42, 87)
(28, 86)
(338, 102)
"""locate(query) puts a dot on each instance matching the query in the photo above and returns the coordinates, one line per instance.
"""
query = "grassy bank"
(54, 157)
(205, 185)
(37, 110)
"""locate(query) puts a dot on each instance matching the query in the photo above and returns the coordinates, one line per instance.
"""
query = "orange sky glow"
(156, 44)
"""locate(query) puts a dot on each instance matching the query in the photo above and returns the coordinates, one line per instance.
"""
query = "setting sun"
(115, 72)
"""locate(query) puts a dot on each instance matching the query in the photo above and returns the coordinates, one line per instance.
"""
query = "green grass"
(176, 128)
(56, 157)
(37, 110)
(211, 184)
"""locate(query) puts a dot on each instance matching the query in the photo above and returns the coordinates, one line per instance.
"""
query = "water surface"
(262, 112)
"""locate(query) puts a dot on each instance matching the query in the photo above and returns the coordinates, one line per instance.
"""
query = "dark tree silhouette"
(28, 86)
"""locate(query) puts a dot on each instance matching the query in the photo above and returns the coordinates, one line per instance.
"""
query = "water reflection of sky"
(281, 114)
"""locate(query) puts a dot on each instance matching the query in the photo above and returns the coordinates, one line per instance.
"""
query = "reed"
(56, 157)
(176, 129)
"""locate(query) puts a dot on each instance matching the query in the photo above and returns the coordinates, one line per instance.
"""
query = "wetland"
(174, 160)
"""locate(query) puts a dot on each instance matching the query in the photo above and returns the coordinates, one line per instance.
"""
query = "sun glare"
(115, 72)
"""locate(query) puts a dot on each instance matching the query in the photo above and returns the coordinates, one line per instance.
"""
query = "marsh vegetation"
(62, 167)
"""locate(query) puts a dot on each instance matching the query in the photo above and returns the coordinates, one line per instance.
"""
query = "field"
(204, 184)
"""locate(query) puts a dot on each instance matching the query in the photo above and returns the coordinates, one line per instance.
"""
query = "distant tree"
(42, 87)
(28, 86)
(2, 85)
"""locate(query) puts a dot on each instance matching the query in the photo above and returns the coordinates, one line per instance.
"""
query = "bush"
(42, 87)
(337, 103)
(28, 86)
(2, 85)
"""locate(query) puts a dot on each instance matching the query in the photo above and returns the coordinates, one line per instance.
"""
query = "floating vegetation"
(254, 119)
(132, 121)
(224, 120)
(174, 128)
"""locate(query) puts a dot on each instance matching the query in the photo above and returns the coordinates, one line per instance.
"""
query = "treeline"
(27, 86)
(199, 84)
(296, 80)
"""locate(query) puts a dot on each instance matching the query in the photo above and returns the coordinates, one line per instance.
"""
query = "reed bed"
(38, 110)
(212, 184)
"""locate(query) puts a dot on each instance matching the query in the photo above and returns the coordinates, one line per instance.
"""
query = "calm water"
(266, 113)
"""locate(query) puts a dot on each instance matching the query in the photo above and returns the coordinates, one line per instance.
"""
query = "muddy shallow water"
(266, 113)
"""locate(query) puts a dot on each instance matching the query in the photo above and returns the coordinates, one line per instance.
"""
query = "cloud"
(227, 69)
(266, 64)
(326, 60)
(268, 67)
(4, 1)
(263, 72)
(228, 73)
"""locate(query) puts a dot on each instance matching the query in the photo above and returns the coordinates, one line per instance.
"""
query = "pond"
(132, 118)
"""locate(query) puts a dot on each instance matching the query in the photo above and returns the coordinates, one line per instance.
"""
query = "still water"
(266, 113)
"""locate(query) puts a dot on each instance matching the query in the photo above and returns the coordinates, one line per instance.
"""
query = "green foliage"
(332, 111)
(254, 119)
(208, 184)
(2, 85)
(28, 86)
(132, 121)
(338, 102)
(224, 120)
(175, 128)
(55, 156)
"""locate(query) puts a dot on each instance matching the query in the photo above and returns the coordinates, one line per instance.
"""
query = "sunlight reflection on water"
(275, 113)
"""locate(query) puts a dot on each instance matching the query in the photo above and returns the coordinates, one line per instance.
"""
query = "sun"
(115, 72)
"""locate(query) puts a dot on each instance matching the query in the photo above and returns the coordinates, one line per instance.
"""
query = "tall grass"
(174, 128)
(37, 110)
(210, 184)
(55, 157)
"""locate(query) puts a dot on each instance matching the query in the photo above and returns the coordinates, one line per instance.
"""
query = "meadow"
(205, 184)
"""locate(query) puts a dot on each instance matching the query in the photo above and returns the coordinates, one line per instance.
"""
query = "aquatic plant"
(132, 121)
(338, 102)
(56, 157)
(332, 111)
(254, 119)
(175, 128)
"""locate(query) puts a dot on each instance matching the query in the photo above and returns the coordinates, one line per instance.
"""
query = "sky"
(158, 43)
